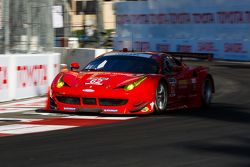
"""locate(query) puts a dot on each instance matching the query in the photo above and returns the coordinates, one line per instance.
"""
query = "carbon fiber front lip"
(89, 110)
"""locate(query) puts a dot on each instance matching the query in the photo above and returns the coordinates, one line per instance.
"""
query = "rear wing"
(204, 56)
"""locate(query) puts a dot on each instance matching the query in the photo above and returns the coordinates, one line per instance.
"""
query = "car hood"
(110, 79)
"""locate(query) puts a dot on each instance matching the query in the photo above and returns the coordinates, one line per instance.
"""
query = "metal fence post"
(6, 26)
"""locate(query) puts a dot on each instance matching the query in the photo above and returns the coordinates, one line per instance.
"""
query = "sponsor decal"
(163, 47)
(219, 17)
(35, 75)
(69, 108)
(193, 80)
(88, 90)
(206, 47)
(184, 48)
(110, 110)
(172, 83)
(3, 77)
(172, 80)
(183, 84)
(234, 48)
(96, 81)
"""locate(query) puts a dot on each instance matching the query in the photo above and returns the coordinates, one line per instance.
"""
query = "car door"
(178, 82)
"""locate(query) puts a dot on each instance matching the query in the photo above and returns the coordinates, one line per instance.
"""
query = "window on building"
(79, 7)
(90, 7)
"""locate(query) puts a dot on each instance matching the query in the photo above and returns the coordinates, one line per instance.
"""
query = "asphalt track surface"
(219, 136)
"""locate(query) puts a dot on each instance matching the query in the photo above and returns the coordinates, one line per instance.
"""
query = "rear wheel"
(161, 98)
(207, 92)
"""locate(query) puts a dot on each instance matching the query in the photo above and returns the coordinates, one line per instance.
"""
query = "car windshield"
(130, 64)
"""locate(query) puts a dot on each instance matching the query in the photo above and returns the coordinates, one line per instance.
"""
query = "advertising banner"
(31, 75)
(27, 75)
(4, 78)
(220, 27)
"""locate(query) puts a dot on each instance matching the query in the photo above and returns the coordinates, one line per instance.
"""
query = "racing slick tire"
(161, 97)
(207, 92)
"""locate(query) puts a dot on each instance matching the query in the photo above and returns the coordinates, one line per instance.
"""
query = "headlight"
(131, 86)
(60, 83)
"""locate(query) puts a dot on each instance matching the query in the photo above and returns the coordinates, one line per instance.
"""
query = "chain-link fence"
(26, 26)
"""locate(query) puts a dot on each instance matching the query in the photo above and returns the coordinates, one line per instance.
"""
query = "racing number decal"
(96, 81)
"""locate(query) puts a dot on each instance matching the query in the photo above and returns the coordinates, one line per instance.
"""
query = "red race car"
(131, 83)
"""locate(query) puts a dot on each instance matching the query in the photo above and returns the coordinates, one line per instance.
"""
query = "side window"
(172, 61)
(177, 62)
(169, 62)
(167, 66)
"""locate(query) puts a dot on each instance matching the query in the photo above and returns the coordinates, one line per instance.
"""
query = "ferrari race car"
(130, 83)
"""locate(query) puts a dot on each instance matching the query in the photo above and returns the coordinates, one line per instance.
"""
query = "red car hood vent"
(109, 79)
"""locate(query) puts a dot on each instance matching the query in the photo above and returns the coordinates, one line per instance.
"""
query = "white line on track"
(40, 102)
(13, 110)
(44, 113)
(19, 119)
(16, 129)
(99, 117)
(78, 117)
(23, 105)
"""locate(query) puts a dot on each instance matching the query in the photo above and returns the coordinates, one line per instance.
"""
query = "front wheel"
(161, 97)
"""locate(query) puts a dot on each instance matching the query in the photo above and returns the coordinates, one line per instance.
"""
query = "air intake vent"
(68, 100)
(89, 101)
(112, 102)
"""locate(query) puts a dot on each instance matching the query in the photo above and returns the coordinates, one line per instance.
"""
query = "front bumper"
(103, 103)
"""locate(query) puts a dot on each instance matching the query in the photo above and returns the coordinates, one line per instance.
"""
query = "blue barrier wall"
(221, 27)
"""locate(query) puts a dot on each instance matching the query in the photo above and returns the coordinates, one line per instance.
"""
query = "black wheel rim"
(161, 99)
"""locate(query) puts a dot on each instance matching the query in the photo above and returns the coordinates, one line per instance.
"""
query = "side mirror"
(177, 68)
(74, 66)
